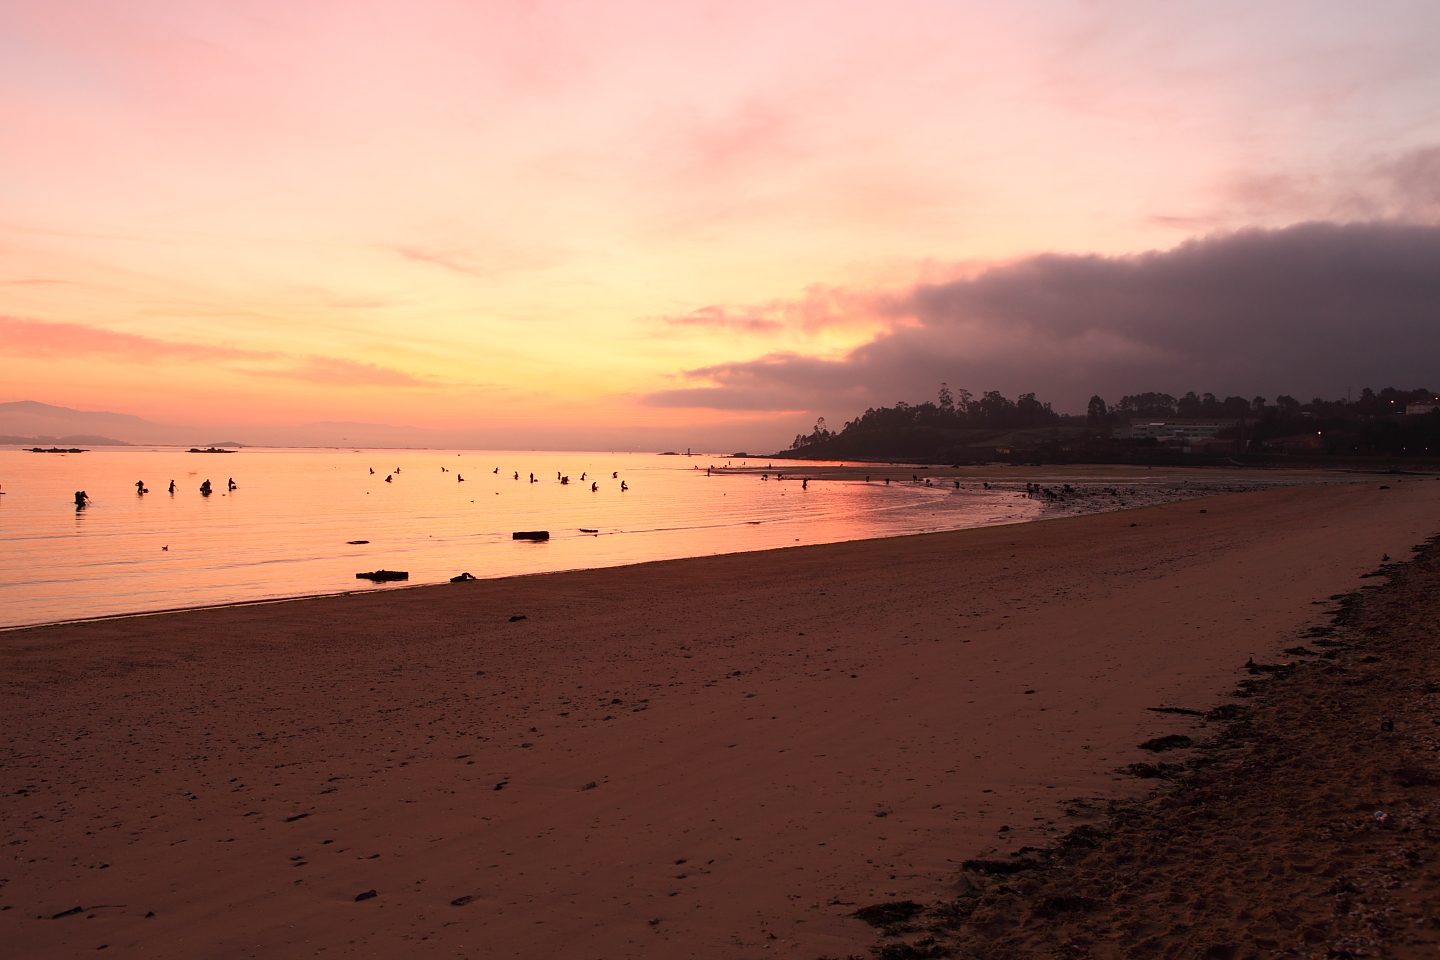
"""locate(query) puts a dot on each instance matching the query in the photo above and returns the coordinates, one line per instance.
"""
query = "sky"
(633, 225)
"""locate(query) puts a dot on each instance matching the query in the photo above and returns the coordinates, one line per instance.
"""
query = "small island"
(208, 450)
(57, 450)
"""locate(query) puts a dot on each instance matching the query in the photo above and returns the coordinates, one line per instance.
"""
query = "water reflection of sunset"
(285, 530)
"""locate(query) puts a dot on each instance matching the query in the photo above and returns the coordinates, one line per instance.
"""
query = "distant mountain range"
(85, 439)
(28, 421)
(31, 423)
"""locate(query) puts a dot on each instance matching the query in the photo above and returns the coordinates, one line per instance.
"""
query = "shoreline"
(810, 730)
(1150, 492)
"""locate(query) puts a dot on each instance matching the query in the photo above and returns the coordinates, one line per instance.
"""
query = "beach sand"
(774, 739)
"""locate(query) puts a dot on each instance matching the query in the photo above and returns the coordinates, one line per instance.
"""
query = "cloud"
(38, 339)
(335, 371)
(1395, 187)
(822, 307)
(43, 340)
(1309, 310)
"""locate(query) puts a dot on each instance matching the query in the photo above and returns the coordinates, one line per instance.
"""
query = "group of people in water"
(564, 480)
(82, 499)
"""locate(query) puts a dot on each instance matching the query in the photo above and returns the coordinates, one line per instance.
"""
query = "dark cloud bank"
(1308, 311)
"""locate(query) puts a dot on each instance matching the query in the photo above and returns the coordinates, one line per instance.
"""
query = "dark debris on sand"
(1307, 827)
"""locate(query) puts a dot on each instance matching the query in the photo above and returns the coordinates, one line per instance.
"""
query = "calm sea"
(284, 530)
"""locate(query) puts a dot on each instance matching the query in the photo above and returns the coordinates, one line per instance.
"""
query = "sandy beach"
(715, 757)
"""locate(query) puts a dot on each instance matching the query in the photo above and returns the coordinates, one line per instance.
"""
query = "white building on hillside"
(1179, 429)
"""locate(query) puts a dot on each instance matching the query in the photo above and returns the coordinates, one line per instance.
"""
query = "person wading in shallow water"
(140, 487)
(172, 487)
(82, 499)
(230, 484)
(205, 488)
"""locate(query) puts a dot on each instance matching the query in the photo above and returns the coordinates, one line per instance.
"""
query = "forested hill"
(964, 428)
(931, 431)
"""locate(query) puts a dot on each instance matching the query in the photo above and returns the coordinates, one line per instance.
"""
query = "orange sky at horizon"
(531, 216)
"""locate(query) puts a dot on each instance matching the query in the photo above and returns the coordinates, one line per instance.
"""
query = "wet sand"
(773, 739)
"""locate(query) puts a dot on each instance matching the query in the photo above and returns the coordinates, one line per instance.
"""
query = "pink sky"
(526, 218)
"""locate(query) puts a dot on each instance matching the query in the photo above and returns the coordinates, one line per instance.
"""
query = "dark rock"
(889, 914)
(999, 868)
(367, 895)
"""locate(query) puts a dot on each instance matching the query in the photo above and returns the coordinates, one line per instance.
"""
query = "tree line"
(954, 419)
(1163, 406)
(953, 410)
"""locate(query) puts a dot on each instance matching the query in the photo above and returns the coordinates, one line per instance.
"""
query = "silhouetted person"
(623, 487)
(887, 481)
(582, 477)
(517, 474)
(459, 478)
(615, 475)
(496, 471)
(594, 486)
(140, 487)
(230, 484)
(957, 484)
(805, 484)
(372, 470)
(81, 499)
(532, 478)
(564, 481)
(205, 488)
(389, 477)
(172, 487)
